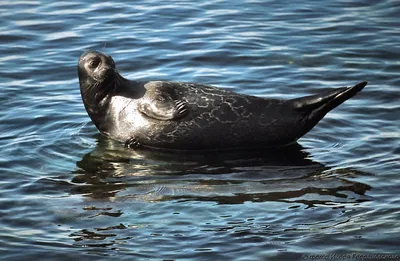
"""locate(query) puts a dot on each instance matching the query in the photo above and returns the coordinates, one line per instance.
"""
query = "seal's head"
(95, 68)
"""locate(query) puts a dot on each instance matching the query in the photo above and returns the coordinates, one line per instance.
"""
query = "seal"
(192, 116)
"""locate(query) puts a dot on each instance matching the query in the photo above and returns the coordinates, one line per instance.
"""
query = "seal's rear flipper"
(315, 107)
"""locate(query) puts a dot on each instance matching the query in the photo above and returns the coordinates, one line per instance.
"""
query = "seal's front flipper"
(163, 109)
(132, 143)
(161, 102)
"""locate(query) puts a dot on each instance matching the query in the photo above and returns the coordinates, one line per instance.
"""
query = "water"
(67, 193)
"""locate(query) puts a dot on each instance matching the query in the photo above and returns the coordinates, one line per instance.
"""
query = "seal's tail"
(315, 107)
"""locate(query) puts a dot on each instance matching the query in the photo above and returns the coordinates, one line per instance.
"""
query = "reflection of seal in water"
(191, 116)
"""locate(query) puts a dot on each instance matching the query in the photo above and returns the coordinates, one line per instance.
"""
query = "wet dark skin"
(192, 116)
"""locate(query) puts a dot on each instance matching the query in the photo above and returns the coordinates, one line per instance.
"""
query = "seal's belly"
(124, 120)
(204, 128)
(200, 134)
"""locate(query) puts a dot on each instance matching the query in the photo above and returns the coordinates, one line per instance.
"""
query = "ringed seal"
(192, 116)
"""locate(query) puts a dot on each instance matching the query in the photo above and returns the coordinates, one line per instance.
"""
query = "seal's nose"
(105, 68)
(103, 72)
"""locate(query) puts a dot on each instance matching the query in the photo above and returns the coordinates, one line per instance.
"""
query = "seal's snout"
(105, 69)
(103, 72)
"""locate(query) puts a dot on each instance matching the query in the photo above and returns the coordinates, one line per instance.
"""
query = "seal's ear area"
(111, 61)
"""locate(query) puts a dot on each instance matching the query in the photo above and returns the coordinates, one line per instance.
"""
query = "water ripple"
(68, 193)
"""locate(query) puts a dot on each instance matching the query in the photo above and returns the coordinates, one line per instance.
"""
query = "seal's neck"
(96, 96)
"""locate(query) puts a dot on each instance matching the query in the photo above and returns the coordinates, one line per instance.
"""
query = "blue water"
(68, 193)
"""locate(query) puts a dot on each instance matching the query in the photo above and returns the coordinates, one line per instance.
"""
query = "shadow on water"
(286, 175)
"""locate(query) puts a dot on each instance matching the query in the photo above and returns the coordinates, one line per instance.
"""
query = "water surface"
(68, 193)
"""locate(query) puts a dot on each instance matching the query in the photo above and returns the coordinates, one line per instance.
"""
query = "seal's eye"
(93, 63)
